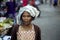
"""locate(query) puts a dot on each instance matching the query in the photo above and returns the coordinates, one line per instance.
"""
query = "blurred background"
(49, 20)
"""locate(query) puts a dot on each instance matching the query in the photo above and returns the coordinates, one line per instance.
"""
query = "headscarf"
(30, 9)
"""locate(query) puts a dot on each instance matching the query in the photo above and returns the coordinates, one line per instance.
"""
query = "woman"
(25, 30)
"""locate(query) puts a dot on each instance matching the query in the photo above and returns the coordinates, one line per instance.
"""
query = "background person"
(32, 3)
(11, 8)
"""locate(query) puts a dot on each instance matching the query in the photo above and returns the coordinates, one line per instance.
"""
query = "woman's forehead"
(26, 13)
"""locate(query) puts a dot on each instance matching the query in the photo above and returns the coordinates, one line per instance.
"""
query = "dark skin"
(26, 21)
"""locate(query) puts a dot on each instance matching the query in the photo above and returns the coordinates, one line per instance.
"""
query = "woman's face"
(26, 18)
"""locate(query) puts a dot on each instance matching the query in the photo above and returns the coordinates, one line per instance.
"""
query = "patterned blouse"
(26, 35)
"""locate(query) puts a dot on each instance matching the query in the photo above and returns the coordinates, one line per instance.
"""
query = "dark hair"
(23, 13)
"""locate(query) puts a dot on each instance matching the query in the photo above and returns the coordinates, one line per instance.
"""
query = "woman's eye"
(29, 16)
(23, 16)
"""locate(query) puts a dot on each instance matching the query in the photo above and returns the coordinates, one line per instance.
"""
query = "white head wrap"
(30, 9)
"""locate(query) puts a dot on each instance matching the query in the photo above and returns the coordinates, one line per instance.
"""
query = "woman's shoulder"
(15, 26)
(36, 26)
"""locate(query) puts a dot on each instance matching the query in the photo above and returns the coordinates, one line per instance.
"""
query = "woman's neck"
(29, 27)
(26, 25)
